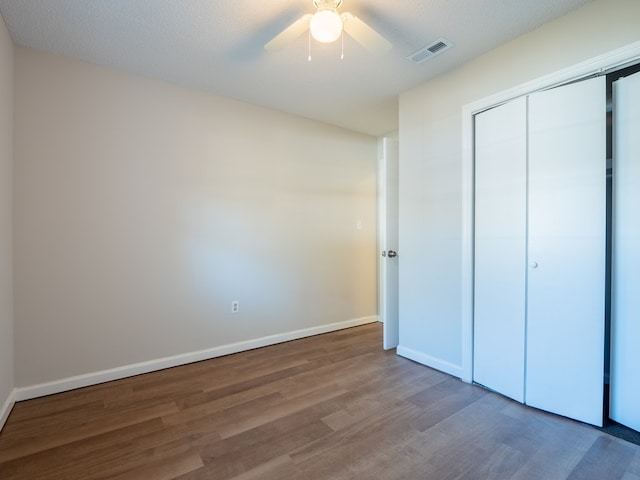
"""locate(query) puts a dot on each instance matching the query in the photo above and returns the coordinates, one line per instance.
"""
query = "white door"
(500, 248)
(388, 221)
(625, 322)
(565, 302)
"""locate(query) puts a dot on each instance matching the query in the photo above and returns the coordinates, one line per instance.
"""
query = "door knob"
(392, 254)
(534, 264)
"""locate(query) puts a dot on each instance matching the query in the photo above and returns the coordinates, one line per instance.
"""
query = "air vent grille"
(435, 48)
(429, 51)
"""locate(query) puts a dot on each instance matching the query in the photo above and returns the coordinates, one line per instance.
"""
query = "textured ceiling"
(217, 46)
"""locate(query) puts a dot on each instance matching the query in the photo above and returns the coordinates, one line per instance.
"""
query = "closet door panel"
(566, 251)
(625, 322)
(500, 261)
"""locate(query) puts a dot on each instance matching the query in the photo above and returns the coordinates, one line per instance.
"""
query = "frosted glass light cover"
(326, 26)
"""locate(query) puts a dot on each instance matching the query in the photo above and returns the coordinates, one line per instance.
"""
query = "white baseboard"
(79, 381)
(429, 361)
(5, 410)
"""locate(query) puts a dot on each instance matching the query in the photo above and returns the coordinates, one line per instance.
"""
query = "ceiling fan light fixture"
(326, 26)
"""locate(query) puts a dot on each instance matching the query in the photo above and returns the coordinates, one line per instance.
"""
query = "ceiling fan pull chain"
(342, 54)
(309, 57)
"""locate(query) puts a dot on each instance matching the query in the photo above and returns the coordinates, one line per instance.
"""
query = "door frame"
(598, 65)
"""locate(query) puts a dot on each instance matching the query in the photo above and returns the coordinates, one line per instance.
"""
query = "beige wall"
(6, 178)
(143, 209)
(431, 158)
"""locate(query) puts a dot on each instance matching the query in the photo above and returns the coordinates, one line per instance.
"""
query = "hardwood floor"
(334, 406)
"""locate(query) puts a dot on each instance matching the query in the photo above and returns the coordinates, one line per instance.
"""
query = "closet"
(539, 258)
(625, 298)
(500, 248)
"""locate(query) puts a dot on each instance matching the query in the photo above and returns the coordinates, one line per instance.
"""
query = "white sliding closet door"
(500, 248)
(566, 278)
(625, 323)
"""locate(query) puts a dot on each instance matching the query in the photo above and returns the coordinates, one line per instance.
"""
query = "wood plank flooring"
(334, 406)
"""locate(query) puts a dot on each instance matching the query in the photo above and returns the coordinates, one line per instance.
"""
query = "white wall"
(431, 180)
(6, 215)
(143, 209)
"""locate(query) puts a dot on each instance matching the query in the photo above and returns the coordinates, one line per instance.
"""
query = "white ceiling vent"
(431, 50)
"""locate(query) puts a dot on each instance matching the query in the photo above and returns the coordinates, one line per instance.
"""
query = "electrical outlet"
(235, 306)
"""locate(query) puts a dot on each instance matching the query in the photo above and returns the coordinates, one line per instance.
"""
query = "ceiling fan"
(327, 25)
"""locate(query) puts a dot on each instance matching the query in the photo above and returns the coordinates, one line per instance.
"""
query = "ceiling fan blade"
(289, 34)
(365, 35)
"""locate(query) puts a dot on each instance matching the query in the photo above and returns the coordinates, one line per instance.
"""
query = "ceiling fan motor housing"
(327, 4)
